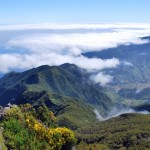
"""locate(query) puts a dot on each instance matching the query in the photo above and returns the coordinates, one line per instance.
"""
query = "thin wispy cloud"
(127, 63)
(75, 26)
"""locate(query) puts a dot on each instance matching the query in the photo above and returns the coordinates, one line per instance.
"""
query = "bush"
(24, 131)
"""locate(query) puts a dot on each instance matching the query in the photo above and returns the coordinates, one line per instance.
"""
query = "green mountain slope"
(64, 89)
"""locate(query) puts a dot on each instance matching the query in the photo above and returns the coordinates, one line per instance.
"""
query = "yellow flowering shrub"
(56, 137)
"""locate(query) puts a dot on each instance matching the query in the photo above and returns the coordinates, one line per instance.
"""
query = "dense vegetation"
(26, 128)
(126, 132)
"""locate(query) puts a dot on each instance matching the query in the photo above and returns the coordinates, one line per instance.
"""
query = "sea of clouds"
(26, 46)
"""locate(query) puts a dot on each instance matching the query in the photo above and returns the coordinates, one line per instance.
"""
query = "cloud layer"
(25, 46)
(75, 43)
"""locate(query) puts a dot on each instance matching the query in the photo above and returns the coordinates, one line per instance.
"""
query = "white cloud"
(102, 78)
(95, 63)
(74, 43)
(19, 61)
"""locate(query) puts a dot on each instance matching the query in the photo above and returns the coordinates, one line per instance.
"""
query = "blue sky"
(73, 11)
